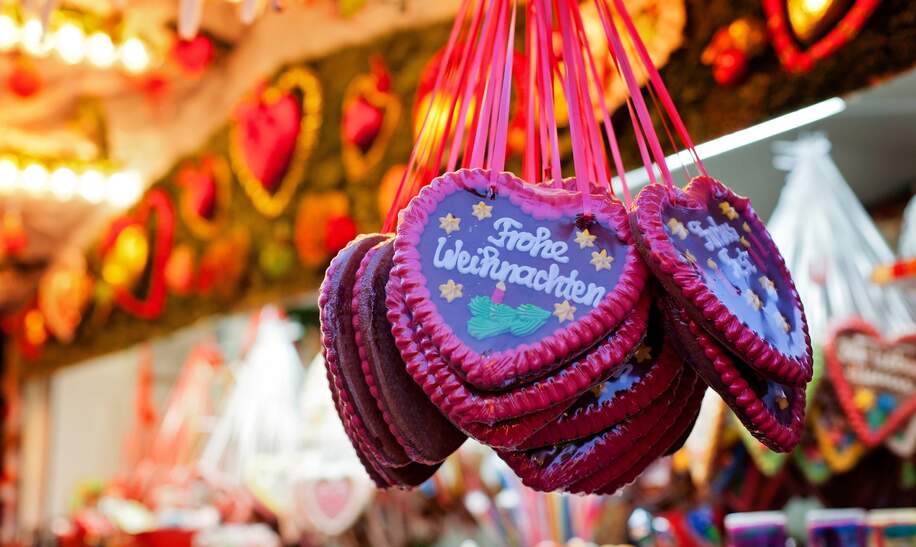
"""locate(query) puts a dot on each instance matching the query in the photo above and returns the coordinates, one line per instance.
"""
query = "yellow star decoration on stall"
(450, 290)
(745, 243)
(482, 210)
(688, 256)
(564, 311)
(728, 210)
(753, 299)
(712, 264)
(644, 353)
(746, 227)
(677, 228)
(601, 261)
(585, 239)
(450, 223)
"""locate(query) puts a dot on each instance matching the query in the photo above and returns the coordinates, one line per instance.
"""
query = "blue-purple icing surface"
(739, 270)
(542, 268)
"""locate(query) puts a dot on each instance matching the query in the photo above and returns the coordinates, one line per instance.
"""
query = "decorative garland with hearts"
(371, 113)
(206, 191)
(796, 60)
(273, 137)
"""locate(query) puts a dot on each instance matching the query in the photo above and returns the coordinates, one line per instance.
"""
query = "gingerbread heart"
(837, 442)
(824, 35)
(370, 114)
(272, 138)
(331, 506)
(508, 279)
(155, 208)
(711, 252)
(874, 378)
(205, 194)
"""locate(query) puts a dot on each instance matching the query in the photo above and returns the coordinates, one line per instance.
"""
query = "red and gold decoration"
(370, 114)
(272, 138)
(194, 56)
(807, 31)
(223, 264)
(63, 294)
(388, 188)
(126, 255)
(13, 237)
(323, 227)
(180, 270)
(206, 188)
(732, 47)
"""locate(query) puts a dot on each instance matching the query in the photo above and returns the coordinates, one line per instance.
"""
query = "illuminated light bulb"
(63, 183)
(134, 56)
(124, 189)
(100, 51)
(9, 33)
(34, 178)
(92, 186)
(34, 39)
(9, 175)
(70, 43)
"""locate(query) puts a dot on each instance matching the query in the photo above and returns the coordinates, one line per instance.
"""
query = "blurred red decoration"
(194, 55)
(730, 67)
(24, 81)
(338, 232)
(180, 270)
(13, 237)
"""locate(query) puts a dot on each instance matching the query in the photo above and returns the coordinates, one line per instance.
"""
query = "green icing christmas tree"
(491, 318)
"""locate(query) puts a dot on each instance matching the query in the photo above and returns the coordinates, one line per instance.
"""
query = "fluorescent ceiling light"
(744, 137)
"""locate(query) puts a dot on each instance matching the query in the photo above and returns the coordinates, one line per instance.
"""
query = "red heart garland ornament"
(792, 57)
(712, 253)
(370, 115)
(158, 207)
(205, 195)
(272, 138)
(875, 379)
(507, 280)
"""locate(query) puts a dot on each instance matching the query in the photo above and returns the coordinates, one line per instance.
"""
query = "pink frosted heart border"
(749, 408)
(527, 361)
(681, 280)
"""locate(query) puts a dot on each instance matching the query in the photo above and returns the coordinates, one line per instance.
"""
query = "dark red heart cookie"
(424, 433)
(560, 466)
(445, 389)
(464, 404)
(342, 357)
(610, 479)
(710, 251)
(508, 279)
(631, 386)
(774, 413)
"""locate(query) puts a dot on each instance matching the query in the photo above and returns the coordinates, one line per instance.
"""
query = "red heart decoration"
(205, 188)
(156, 205)
(881, 372)
(784, 41)
(194, 55)
(370, 114)
(273, 135)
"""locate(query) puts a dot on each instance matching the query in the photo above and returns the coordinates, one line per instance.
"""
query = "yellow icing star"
(728, 210)
(746, 227)
(745, 242)
(753, 299)
(782, 401)
(864, 398)
(585, 239)
(688, 256)
(564, 311)
(712, 264)
(597, 390)
(450, 223)
(450, 290)
(482, 211)
(677, 228)
(601, 261)
(767, 284)
(785, 323)
(643, 353)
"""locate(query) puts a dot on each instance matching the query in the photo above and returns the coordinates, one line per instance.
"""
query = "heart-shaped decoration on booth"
(875, 379)
(332, 505)
(371, 112)
(838, 443)
(206, 187)
(323, 227)
(63, 294)
(272, 137)
(134, 244)
(821, 30)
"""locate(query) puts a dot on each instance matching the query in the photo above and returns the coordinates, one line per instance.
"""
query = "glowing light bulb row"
(119, 189)
(71, 45)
